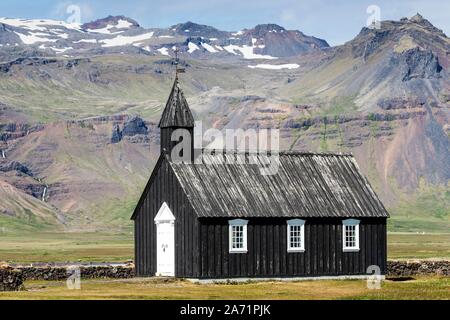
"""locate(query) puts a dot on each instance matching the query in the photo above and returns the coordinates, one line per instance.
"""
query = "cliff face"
(418, 64)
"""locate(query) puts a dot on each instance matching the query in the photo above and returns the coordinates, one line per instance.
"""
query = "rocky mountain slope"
(78, 134)
(398, 71)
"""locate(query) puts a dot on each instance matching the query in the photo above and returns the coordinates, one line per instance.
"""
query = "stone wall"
(413, 268)
(87, 272)
(10, 279)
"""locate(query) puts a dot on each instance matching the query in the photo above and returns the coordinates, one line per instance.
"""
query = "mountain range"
(79, 107)
(120, 34)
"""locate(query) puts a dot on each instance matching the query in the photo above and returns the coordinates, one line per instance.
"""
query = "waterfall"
(3, 154)
(44, 193)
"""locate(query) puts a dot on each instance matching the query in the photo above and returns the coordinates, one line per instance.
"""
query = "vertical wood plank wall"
(267, 249)
(166, 189)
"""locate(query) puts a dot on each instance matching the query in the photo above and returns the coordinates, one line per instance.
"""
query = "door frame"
(165, 216)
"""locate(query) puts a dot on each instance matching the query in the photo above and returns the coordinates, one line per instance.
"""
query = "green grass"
(428, 210)
(17, 225)
(420, 288)
(340, 105)
(61, 247)
(418, 246)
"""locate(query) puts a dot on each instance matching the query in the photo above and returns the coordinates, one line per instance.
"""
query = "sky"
(336, 21)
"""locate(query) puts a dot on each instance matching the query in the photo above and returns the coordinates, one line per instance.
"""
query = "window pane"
(237, 237)
(350, 236)
(295, 240)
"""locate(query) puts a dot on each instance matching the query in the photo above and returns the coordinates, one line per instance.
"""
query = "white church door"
(165, 242)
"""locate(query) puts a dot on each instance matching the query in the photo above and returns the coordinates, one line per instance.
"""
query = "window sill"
(295, 250)
(351, 250)
(238, 251)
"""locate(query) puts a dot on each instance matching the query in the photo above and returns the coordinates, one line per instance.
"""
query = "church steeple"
(176, 115)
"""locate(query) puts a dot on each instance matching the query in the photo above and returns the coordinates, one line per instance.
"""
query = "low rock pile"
(10, 279)
(410, 268)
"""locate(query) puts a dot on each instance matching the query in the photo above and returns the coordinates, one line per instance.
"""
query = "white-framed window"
(296, 235)
(238, 235)
(350, 235)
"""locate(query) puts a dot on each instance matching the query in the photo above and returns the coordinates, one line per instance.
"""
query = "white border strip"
(234, 280)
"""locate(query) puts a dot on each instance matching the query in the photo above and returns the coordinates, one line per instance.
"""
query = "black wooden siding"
(267, 254)
(164, 187)
(168, 144)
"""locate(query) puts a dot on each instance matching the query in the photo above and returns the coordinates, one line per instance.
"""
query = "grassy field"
(51, 247)
(94, 247)
(426, 211)
(420, 288)
(62, 247)
(418, 246)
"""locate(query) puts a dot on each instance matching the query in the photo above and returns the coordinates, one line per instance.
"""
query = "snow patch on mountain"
(164, 51)
(33, 38)
(63, 36)
(121, 24)
(86, 41)
(61, 50)
(192, 47)
(125, 40)
(209, 47)
(247, 52)
(105, 30)
(39, 25)
(275, 66)
(57, 50)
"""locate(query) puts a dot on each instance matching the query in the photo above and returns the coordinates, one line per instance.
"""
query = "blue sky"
(336, 21)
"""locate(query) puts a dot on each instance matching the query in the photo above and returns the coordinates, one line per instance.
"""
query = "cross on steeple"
(177, 62)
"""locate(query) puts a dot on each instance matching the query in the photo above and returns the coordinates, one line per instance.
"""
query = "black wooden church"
(318, 216)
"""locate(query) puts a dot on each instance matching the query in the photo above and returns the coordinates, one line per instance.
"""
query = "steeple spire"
(176, 114)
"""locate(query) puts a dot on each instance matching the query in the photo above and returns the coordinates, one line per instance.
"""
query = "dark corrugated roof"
(176, 112)
(306, 185)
